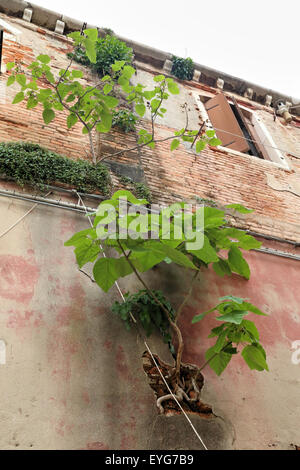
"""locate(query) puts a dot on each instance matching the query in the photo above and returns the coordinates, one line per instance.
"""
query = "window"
(239, 128)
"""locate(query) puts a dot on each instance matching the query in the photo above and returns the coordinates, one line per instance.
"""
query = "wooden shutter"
(222, 117)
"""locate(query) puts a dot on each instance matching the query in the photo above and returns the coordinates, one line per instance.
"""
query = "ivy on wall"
(29, 163)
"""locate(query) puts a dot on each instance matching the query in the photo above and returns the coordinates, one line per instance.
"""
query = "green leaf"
(48, 115)
(107, 88)
(128, 71)
(251, 328)
(218, 362)
(235, 316)
(174, 144)
(173, 88)
(21, 79)
(44, 58)
(108, 270)
(210, 133)
(200, 145)
(140, 109)
(255, 357)
(239, 208)
(216, 331)
(73, 241)
(86, 251)
(110, 101)
(222, 267)
(19, 97)
(91, 33)
(50, 76)
(237, 262)
(11, 79)
(77, 73)
(213, 217)
(207, 253)
(10, 65)
(159, 78)
(71, 120)
(200, 316)
(90, 50)
(214, 142)
(253, 308)
(32, 102)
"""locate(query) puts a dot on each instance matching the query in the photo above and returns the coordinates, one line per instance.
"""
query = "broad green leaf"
(200, 145)
(216, 331)
(90, 50)
(21, 79)
(44, 58)
(253, 308)
(31, 102)
(19, 97)
(108, 270)
(50, 77)
(86, 251)
(91, 33)
(237, 262)
(77, 73)
(207, 253)
(218, 361)
(200, 316)
(210, 133)
(128, 71)
(174, 144)
(118, 65)
(11, 79)
(149, 94)
(173, 88)
(110, 101)
(71, 120)
(107, 88)
(10, 65)
(213, 217)
(222, 267)
(48, 115)
(220, 343)
(251, 328)
(239, 208)
(73, 241)
(214, 142)
(255, 357)
(140, 109)
(159, 78)
(236, 316)
(131, 198)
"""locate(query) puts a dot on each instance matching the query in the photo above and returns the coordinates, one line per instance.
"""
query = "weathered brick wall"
(273, 192)
(73, 376)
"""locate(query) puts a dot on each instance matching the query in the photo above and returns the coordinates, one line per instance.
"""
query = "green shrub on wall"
(182, 68)
(108, 50)
(124, 120)
(35, 165)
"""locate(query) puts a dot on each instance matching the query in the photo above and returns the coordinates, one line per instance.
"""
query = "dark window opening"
(252, 148)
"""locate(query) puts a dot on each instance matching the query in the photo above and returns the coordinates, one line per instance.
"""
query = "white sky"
(257, 40)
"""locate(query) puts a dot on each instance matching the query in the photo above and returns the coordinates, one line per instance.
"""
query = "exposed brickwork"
(171, 176)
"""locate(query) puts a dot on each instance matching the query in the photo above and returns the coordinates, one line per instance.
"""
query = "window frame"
(271, 153)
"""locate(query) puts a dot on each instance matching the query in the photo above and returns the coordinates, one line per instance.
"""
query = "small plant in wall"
(182, 68)
(193, 240)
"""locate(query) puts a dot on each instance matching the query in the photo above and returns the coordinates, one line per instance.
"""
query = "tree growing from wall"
(146, 242)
